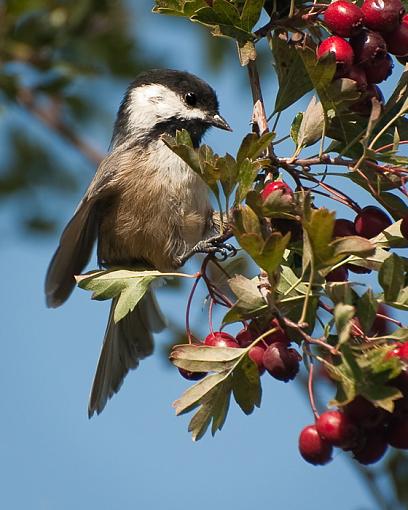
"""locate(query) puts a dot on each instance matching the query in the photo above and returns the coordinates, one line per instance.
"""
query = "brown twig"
(51, 117)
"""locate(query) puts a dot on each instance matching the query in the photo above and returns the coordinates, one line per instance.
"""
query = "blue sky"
(137, 454)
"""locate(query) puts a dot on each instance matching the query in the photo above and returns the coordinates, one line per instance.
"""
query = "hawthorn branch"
(50, 116)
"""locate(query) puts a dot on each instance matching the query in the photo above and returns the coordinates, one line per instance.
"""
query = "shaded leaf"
(312, 124)
(391, 277)
(246, 386)
(342, 317)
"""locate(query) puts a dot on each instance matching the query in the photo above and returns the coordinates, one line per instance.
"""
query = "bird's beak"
(219, 122)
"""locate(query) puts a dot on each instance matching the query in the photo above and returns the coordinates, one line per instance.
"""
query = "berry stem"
(189, 301)
(310, 383)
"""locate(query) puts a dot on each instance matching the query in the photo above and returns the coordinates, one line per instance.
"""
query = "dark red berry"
(256, 353)
(220, 339)
(281, 362)
(372, 447)
(404, 227)
(357, 74)
(270, 187)
(397, 40)
(245, 337)
(364, 105)
(340, 274)
(379, 70)
(343, 18)
(342, 50)
(343, 228)
(358, 269)
(370, 221)
(363, 413)
(337, 428)
(192, 376)
(278, 335)
(368, 46)
(397, 432)
(313, 448)
(382, 15)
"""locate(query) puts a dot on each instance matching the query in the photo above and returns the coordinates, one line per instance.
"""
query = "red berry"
(404, 227)
(397, 433)
(270, 187)
(397, 40)
(340, 274)
(379, 70)
(343, 228)
(357, 74)
(373, 447)
(382, 15)
(337, 428)
(245, 337)
(370, 221)
(364, 105)
(400, 351)
(220, 339)
(313, 448)
(277, 336)
(342, 50)
(363, 413)
(368, 46)
(381, 326)
(343, 18)
(256, 353)
(282, 363)
(192, 376)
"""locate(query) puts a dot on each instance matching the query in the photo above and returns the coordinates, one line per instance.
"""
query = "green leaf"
(391, 237)
(342, 317)
(319, 228)
(192, 396)
(213, 407)
(129, 285)
(228, 171)
(294, 129)
(294, 82)
(267, 254)
(312, 124)
(366, 310)
(195, 358)
(250, 14)
(178, 7)
(253, 145)
(352, 245)
(250, 301)
(391, 277)
(246, 386)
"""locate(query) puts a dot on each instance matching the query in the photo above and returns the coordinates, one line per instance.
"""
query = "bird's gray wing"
(125, 343)
(78, 237)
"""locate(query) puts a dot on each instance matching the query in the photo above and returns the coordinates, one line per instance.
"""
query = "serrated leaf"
(178, 7)
(267, 254)
(228, 173)
(366, 310)
(294, 129)
(342, 317)
(294, 82)
(246, 176)
(196, 358)
(352, 245)
(250, 14)
(250, 301)
(391, 277)
(213, 407)
(312, 124)
(129, 285)
(192, 396)
(253, 145)
(319, 228)
(246, 386)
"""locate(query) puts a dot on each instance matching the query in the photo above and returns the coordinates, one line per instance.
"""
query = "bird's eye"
(191, 98)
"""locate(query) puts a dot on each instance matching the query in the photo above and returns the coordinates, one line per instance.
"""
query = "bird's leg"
(213, 245)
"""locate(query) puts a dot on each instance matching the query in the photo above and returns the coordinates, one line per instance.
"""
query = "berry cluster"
(368, 223)
(374, 31)
(360, 427)
(272, 353)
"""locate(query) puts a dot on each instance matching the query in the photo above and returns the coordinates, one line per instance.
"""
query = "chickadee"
(144, 205)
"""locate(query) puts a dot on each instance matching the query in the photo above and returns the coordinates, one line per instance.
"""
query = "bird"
(144, 205)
